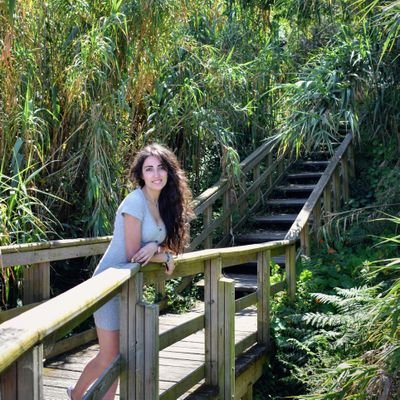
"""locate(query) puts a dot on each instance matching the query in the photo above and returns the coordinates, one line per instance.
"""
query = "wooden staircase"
(273, 220)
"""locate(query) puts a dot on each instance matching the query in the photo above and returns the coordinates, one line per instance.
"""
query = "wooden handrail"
(32, 327)
(85, 297)
(25, 333)
(303, 218)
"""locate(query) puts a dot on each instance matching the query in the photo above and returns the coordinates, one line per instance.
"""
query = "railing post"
(226, 338)
(212, 274)
(139, 343)
(317, 218)
(336, 190)
(290, 267)
(219, 297)
(227, 206)
(147, 365)
(256, 175)
(207, 219)
(24, 379)
(131, 294)
(263, 296)
(352, 169)
(270, 161)
(305, 240)
(345, 178)
(36, 283)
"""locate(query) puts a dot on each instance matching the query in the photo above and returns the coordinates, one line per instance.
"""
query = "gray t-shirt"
(134, 204)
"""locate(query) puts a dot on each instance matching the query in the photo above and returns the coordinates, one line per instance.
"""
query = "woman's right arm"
(133, 235)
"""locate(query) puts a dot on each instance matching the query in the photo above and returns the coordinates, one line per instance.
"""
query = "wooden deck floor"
(176, 361)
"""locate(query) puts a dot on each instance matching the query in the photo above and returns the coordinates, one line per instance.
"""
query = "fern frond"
(321, 320)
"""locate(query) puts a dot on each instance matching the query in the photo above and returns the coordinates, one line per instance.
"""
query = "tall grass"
(24, 216)
(85, 84)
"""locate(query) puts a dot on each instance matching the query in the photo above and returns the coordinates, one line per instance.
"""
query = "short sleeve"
(134, 205)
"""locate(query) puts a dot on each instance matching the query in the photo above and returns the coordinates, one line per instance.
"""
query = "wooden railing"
(330, 193)
(25, 339)
(232, 201)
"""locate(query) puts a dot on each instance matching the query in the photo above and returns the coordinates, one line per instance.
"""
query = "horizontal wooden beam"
(34, 253)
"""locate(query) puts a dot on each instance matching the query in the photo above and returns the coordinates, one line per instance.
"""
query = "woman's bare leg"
(109, 349)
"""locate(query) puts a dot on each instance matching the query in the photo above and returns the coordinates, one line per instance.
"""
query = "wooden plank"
(263, 296)
(327, 202)
(290, 267)
(245, 301)
(154, 273)
(105, 380)
(181, 331)
(30, 374)
(305, 240)
(227, 340)
(35, 253)
(317, 219)
(227, 210)
(244, 343)
(250, 371)
(36, 283)
(212, 274)
(184, 385)
(278, 287)
(52, 349)
(5, 315)
(131, 294)
(336, 189)
(345, 177)
(207, 219)
(256, 175)
(151, 345)
(8, 383)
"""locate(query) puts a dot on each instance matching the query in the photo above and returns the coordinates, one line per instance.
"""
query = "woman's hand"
(144, 255)
(169, 263)
(169, 267)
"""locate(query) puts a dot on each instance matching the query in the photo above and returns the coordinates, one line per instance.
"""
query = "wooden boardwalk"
(176, 361)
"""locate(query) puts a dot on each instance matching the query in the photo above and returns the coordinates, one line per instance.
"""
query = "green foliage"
(340, 339)
(24, 216)
(178, 300)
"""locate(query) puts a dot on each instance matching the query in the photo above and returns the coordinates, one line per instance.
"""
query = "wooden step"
(304, 175)
(260, 237)
(274, 219)
(286, 203)
(312, 164)
(295, 188)
(243, 282)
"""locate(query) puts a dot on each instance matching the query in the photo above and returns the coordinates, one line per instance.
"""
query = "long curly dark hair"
(175, 198)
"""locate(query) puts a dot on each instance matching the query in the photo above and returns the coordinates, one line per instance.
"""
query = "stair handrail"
(260, 171)
(335, 177)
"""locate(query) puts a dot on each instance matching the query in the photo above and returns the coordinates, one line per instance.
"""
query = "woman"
(150, 222)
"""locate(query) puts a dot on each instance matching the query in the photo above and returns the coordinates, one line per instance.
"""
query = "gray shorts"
(107, 316)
